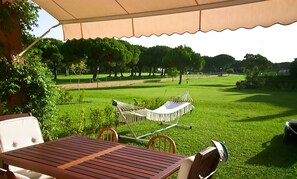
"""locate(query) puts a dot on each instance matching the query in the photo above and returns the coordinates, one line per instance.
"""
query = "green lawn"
(250, 122)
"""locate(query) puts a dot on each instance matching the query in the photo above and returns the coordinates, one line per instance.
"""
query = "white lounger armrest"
(185, 168)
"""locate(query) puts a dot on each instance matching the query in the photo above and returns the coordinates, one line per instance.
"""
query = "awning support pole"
(37, 40)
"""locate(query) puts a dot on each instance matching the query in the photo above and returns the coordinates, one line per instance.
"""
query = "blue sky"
(277, 43)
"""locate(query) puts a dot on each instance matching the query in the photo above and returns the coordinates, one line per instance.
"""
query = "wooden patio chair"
(162, 143)
(204, 164)
(108, 134)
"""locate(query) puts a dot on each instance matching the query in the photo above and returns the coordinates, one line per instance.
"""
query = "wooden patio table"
(84, 158)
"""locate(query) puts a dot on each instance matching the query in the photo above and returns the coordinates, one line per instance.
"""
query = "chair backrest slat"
(108, 134)
(162, 143)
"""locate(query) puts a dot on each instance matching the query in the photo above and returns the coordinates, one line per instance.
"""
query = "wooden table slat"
(44, 156)
(115, 167)
(33, 159)
(145, 156)
(62, 151)
(152, 153)
(151, 166)
(107, 171)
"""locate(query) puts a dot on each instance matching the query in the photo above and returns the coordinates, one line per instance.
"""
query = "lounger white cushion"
(17, 133)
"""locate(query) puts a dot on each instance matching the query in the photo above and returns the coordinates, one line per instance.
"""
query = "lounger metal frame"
(140, 138)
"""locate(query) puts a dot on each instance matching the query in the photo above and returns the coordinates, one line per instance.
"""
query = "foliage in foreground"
(31, 83)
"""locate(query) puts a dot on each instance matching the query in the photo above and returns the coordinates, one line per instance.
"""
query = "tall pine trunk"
(10, 33)
(180, 77)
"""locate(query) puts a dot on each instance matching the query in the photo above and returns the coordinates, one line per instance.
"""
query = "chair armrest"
(185, 168)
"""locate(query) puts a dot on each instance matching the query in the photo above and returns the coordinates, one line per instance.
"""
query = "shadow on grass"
(269, 117)
(276, 153)
(281, 99)
(214, 85)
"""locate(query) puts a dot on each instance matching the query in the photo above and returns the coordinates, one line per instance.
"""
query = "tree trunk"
(121, 71)
(55, 72)
(115, 72)
(95, 71)
(132, 70)
(139, 70)
(163, 72)
(67, 70)
(11, 45)
(180, 77)
(10, 34)
(109, 73)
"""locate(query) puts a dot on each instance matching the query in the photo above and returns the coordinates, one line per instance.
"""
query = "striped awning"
(126, 18)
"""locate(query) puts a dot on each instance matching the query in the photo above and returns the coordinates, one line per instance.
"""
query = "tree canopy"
(183, 58)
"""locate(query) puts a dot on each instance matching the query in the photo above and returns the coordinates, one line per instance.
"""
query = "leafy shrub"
(83, 125)
(96, 119)
(62, 126)
(82, 122)
(269, 82)
(111, 118)
(172, 72)
(152, 103)
(230, 70)
(245, 84)
(64, 96)
(33, 89)
(81, 96)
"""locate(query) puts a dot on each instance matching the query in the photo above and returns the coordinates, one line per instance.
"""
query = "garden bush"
(64, 96)
(31, 87)
(83, 124)
(152, 103)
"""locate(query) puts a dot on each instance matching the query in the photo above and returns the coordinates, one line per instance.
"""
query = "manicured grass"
(249, 121)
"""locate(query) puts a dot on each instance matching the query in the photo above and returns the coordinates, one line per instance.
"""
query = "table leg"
(3, 165)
